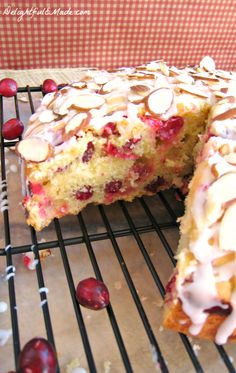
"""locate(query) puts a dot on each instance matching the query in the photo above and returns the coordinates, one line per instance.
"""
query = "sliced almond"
(88, 101)
(223, 74)
(214, 170)
(33, 118)
(101, 79)
(219, 94)
(48, 98)
(62, 108)
(75, 123)
(112, 84)
(193, 90)
(141, 76)
(224, 149)
(205, 76)
(34, 149)
(164, 68)
(135, 99)
(228, 114)
(227, 234)
(159, 101)
(47, 116)
(227, 99)
(223, 259)
(34, 129)
(231, 158)
(184, 78)
(78, 85)
(207, 63)
(93, 86)
(220, 192)
(140, 89)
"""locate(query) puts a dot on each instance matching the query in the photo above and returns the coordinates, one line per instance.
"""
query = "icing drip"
(198, 296)
(228, 325)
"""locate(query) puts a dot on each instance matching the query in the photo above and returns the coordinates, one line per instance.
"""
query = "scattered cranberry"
(109, 129)
(155, 184)
(49, 86)
(37, 356)
(93, 294)
(85, 193)
(113, 186)
(12, 129)
(8, 87)
(88, 152)
(170, 128)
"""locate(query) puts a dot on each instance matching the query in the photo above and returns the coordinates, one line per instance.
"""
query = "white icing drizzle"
(11, 267)
(4, 336)
(8, 247)
(43, 290)
(3, 307)
(43, 302)
(9, 275)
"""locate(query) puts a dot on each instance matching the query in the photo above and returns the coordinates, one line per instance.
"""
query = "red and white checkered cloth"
(111, 33)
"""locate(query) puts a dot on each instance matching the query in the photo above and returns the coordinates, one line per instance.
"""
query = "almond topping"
(78, 85)
(135, 99)
(227, 99)
(46, 116)
(184, 78)
(164, 68)
(34, 129)
(193, 90)
(207, 63)
(34, 149)
(111, 85)
(159, 101)
(231, 158)
(101, 79)
(89, 101)
(205, 76)
(140, 89)
(224, 149)
(223, 259)
(214, 170)
(228, 114)
(75, 123)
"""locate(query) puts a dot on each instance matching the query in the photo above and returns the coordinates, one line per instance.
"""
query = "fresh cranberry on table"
(49, 86)
(8, 87)
(12, 129)
(37, 356)
(93, 294)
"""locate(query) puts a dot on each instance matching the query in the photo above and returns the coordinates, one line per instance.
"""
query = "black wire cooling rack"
(109, 234)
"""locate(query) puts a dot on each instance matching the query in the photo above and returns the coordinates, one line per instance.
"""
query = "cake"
(201, 295)
(131, 132)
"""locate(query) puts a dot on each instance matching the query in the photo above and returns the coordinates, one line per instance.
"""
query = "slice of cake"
(201, 295)
(116, 135)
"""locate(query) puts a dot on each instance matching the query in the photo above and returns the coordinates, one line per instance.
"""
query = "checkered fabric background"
(111, 33)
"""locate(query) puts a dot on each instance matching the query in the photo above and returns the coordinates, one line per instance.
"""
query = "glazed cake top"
(124, 96)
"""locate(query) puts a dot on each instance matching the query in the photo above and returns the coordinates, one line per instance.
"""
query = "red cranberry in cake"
(123, 152)
(85, 193)
(88, 152)
(142, 170)
(8, 87)
(113, 186)
(93, 294)
(226, 310)
(155, 184)
(49, 86)
(152, 122)
(170, 128)
(109, 129)
(12, 129)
